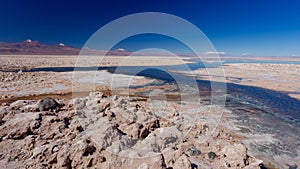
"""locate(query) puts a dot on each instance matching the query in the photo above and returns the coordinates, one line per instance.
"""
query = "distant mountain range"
(29, 47)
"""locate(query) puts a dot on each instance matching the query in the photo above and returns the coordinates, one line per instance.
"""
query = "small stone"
(55, 149)
(115, 98)
(31, 107)
(89, 162)
(293, 166)
(66, 162)
(35, 125)
(144, 132)
(89, 150)
(102, 159)
(212, 155)
(194, 151)
(18, 103)
(261, 166)
(103, 106)
(5, 104)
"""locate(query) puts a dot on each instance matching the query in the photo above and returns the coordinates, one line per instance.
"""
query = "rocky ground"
(112, 132)
(16, 84)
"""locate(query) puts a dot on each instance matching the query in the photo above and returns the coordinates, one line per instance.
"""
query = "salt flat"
(278, 77)
(15, 62)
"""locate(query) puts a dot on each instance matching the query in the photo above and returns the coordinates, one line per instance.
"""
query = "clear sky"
(255, 27)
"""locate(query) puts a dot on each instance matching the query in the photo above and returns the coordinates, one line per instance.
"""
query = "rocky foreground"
(112, 132)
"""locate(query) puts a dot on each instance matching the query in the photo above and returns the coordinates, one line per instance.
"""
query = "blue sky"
(257, 27)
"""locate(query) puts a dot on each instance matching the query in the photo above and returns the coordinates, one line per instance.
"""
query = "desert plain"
(133, 130)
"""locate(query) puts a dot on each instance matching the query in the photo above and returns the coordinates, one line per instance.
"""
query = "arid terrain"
(278, 77)
(52, 74)
(103, 128)
(150, 84)
(31, 138)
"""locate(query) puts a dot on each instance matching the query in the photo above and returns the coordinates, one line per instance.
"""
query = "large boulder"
(48, 103)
